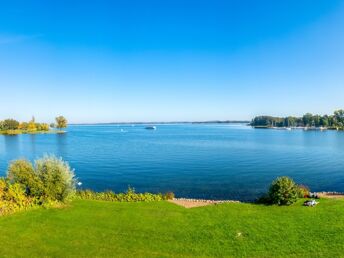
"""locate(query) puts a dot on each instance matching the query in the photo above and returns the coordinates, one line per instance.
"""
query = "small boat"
(150, 127)
(282, 128)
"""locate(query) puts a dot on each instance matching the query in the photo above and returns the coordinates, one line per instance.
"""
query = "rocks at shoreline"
(204, 200)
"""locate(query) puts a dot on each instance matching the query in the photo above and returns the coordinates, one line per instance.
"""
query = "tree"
(23, 126)
(283, 191)
(316, 120)
(324, 121)
(339, 116)
(2, 125)
(290, 121)
(10, 124)
(32, 125)
(44, 127)
(307, 119)
(61, 122)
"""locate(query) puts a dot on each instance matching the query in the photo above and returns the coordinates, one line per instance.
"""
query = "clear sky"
(171, 60)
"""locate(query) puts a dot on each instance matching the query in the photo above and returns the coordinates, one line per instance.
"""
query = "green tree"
(290, 121)
(61, 122)
(324, 121)
(283, 191)
(316, 120)
(10, 124)
(307, 119)
(339, 117)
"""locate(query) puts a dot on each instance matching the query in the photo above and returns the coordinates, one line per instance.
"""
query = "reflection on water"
(12, 144)
(203, 161)
(61, 143)
(33, 143)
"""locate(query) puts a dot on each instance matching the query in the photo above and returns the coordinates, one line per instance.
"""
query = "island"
(11, 126)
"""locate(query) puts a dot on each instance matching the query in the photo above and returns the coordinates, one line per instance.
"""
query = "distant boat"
(282, 128)
(313, 128)
(150, 127)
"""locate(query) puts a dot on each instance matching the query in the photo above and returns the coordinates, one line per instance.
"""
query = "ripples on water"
(219, 161)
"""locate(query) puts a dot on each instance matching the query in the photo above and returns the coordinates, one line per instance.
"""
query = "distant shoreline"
(173, 122)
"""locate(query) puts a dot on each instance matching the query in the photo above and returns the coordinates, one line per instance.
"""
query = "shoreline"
(193, 203)
(171, 122)
(305, 128)
(19, 132)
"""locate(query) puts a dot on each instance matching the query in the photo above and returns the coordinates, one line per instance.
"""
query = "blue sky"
(104, 61)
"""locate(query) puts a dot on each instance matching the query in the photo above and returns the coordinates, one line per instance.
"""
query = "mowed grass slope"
(162, 229)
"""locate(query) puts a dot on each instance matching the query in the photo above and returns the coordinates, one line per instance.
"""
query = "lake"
(217, 161)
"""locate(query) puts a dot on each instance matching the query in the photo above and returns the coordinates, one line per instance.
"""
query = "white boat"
(150, 127)
(282, 128)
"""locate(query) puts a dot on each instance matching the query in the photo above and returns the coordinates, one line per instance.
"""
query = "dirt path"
(331, 195)
(193, 203)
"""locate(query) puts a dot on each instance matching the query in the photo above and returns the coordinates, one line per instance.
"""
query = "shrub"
(168, 196)
(51, 179)
(21, 171)
(57, 177)
(129, 196)
(13, 197)
(303, 191)
(283, 191)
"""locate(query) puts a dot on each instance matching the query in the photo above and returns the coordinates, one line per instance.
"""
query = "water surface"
(220, 161)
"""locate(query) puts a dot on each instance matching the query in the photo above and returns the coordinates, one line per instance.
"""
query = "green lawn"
(161, 229)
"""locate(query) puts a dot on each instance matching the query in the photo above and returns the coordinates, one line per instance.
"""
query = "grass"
(162, 229)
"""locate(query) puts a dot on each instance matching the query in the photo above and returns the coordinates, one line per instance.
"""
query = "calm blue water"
(202, 161)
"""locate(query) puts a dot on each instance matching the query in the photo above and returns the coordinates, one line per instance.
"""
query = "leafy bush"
(283, 191)
(13, 197)
(303, 191)
(51, 179)
(129, 196)
(168, 196)
(57, 177)
(21, 171)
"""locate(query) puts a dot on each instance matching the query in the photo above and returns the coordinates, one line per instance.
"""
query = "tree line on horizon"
(11, 124)
(335, 121)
